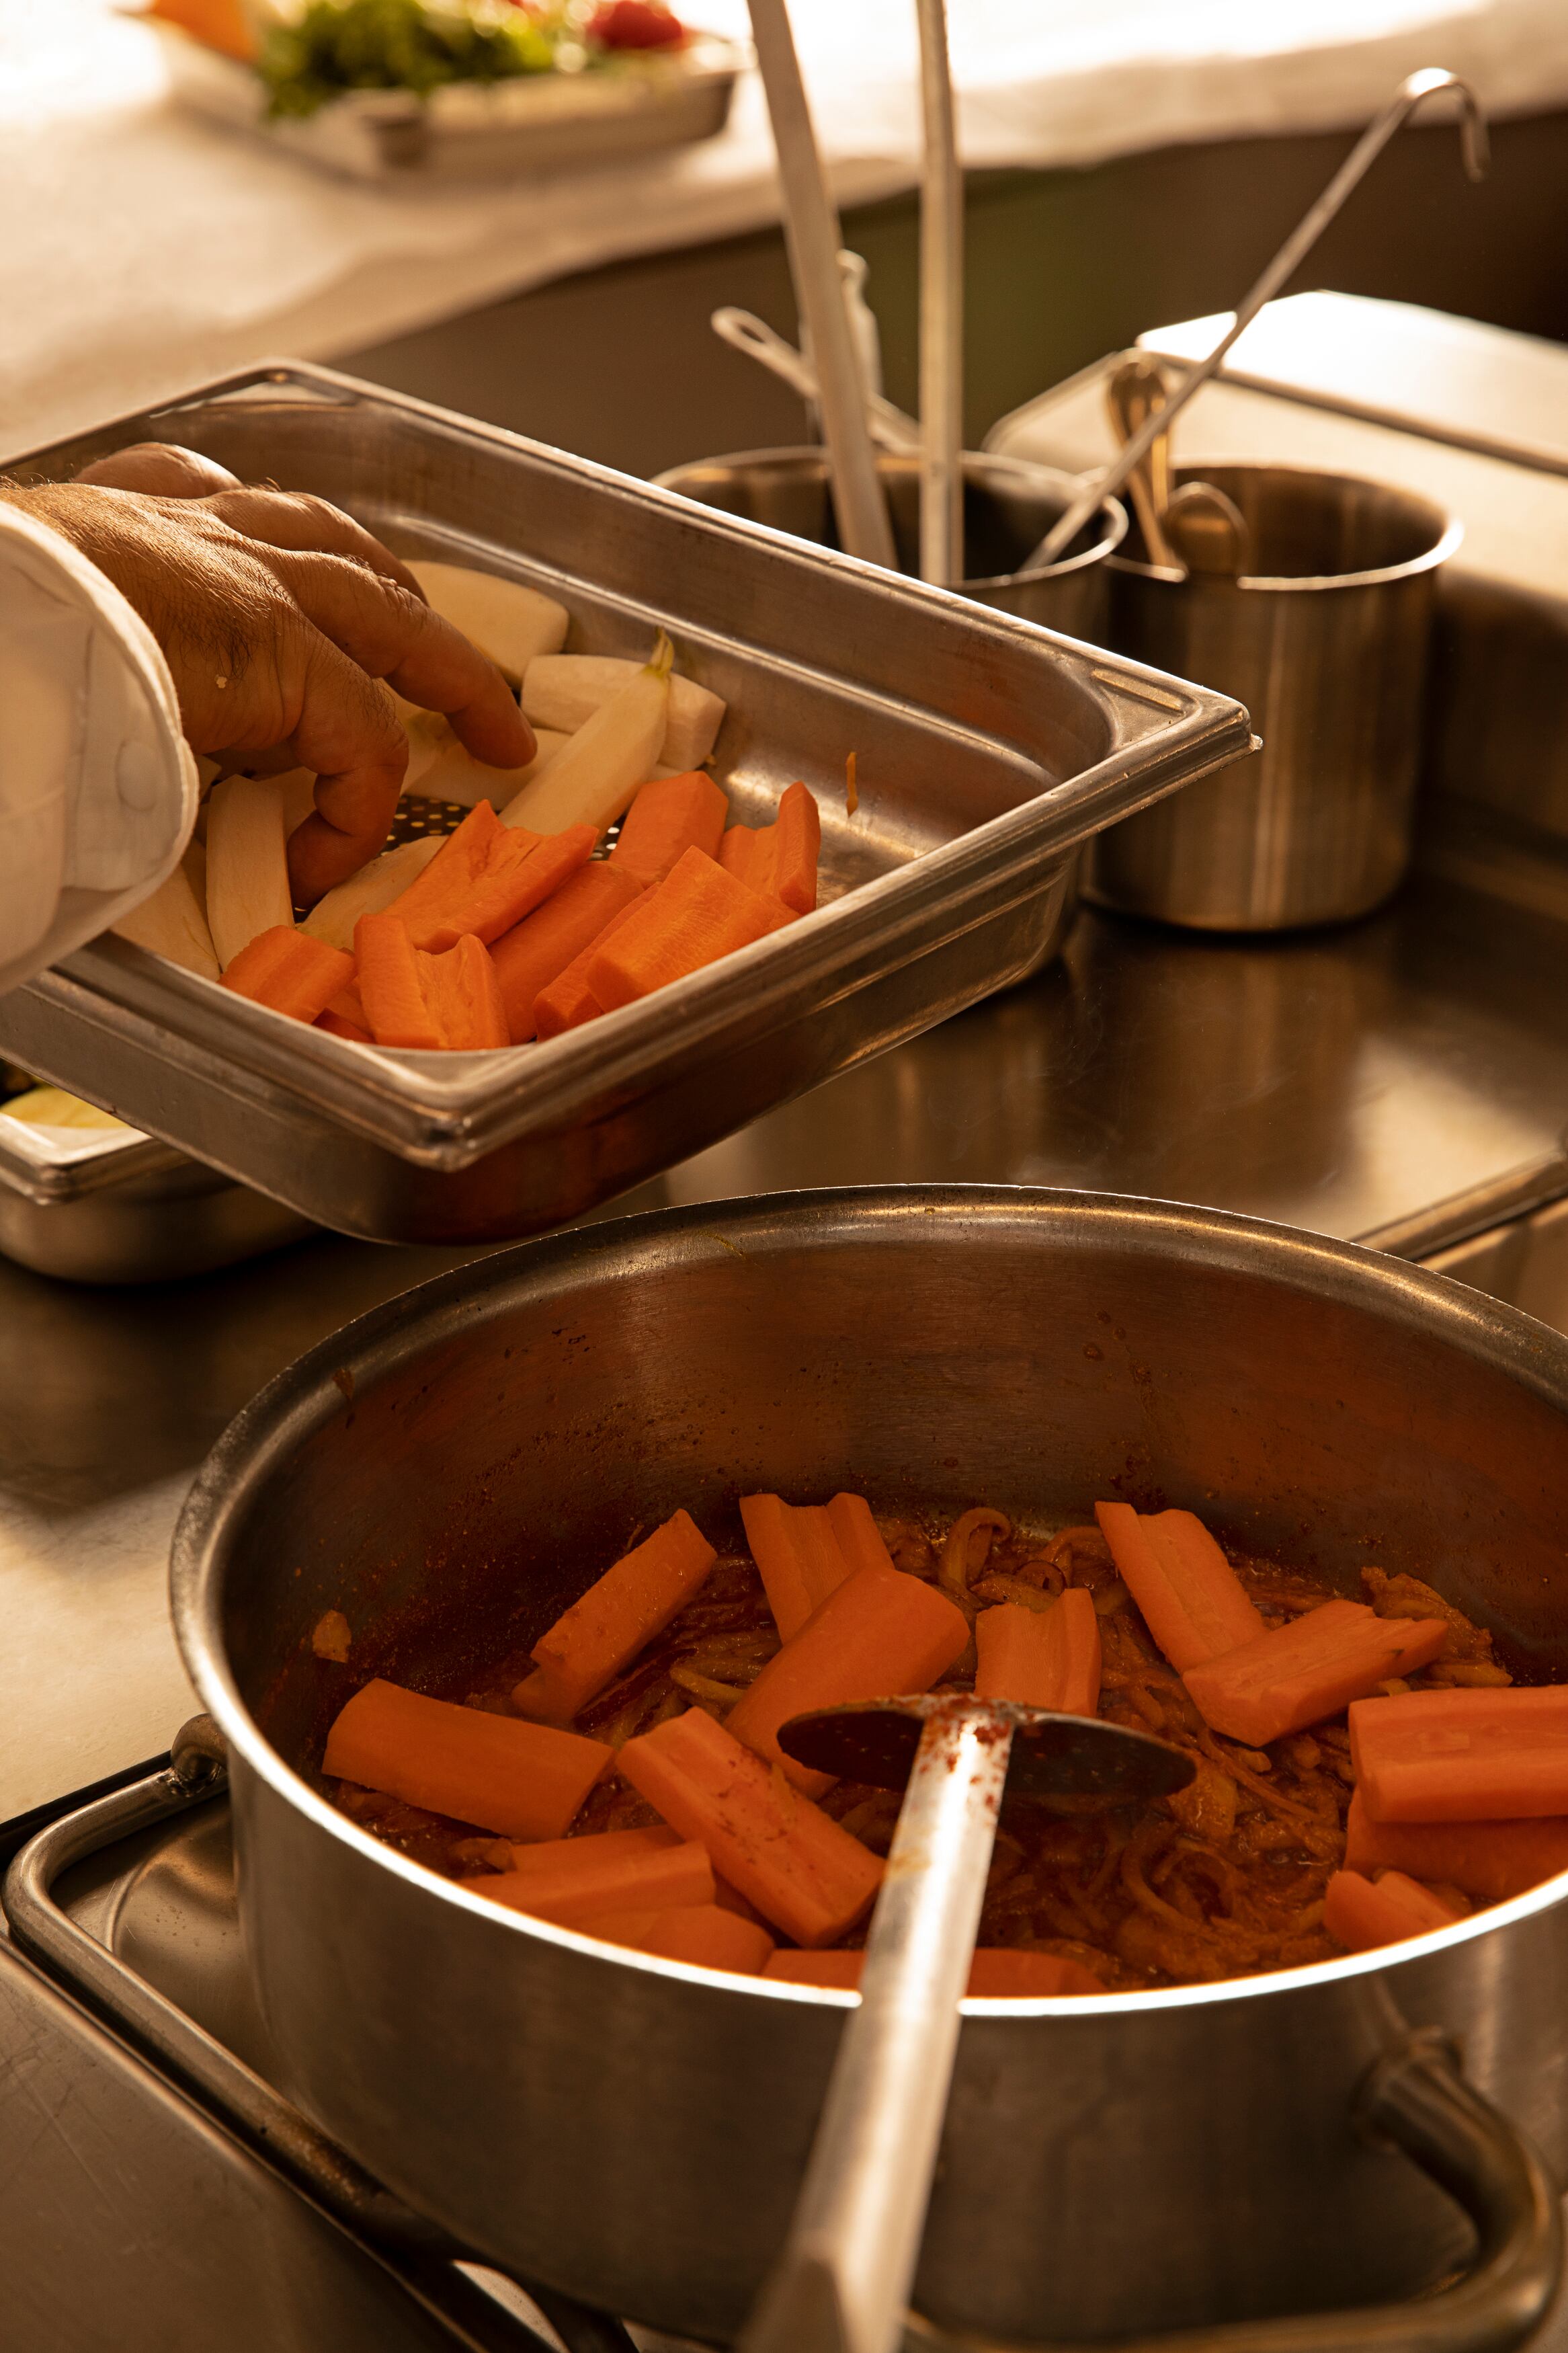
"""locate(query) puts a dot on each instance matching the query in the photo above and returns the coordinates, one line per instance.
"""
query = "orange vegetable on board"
(569, 1000)
(390, 987)
(697, 914)
(463, 995)
(1462, 1755)
(800, 1556)
(700, 1934)
(1360, 1912)
(1490, 1861)
(1041, 1658)
(290, 971)
(525, 1780)
(874, 1636)
(1194, 1601)
(537, 950)
(485, 877)
(779, 859)
(591, 1643)
(997, 1973)
(568, 1881)
(671, 815)
(806, 1875)
(1299, 1674)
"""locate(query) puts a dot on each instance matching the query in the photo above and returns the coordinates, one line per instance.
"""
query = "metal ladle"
(1134, 392)
(1207, 531)
(842, 2282)
(1411, 93)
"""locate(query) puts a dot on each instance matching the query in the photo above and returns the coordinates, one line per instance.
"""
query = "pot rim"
(789, 457)
(1447, 544)
(307, 1393)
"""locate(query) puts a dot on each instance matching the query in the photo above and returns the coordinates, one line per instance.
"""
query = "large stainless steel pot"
(446, 1471)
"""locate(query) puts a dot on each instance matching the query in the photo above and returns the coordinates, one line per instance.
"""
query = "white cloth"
(154, 250)
(97, 790)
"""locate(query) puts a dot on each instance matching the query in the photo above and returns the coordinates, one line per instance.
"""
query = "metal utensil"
(812, 236)
(1205, 529)
(942, 309)
(1133, 393)
(842, 2284)
(889, 427)
(1412, 92)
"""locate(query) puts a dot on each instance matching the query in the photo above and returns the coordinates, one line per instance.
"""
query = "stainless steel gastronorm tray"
(986, 749)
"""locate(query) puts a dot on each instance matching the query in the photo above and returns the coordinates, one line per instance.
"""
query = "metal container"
(448, 1471)
(111, 1206)
(1326, 641)
(1008, 507)
(986, 752)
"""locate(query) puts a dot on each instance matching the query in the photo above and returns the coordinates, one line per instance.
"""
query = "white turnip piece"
(510, 624)
(248, 864)
(591, 779)
(375, 887)
(564, 690)
(170, 922)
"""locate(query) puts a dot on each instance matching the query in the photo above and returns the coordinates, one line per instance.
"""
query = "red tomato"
(636, 25)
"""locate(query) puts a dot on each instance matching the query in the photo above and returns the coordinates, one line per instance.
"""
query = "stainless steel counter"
(1404, 1080)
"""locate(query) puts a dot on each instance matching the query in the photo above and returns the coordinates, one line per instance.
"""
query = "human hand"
(277, 615)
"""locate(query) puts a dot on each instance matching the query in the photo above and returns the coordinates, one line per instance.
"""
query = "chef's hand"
(277, 615)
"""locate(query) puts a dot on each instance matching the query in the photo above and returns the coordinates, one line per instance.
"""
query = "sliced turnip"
(565, 689)
(509, 623)
(373, 888)
(170, 922)
(248, 865)
(591, 779)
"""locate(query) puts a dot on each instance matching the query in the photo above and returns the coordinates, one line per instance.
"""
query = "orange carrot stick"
(522, 1779)
(457, 866)
(591, 1643)
(873, 1637)
(339, 1028)
(997, 1973)
(672, 815)
(1041, 1658)
(795, 850)
(1462, 1755)
(1192, 1600)
(290, 971)
(537, 950)
(1300, 1672)
(569, 1000)
(697, 914)
(389, 984)
(799, 1556)
(463, 995)
(803, 1873)
(568, 1881)
(1490, 1861)
(521, 874)
(859, 1537)
(1360, 1913)
(701, 1935)
(738, 854)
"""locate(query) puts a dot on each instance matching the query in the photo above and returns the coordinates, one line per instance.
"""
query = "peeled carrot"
(537, 950)
(290, 971)
(799, 1556)
(567, 1881)
(859, 1537)
(1193, 1600)
(805, 1875)
(1300, 1672)
(874, 1636)
(522, 1779)
(511, 886)
(1041, 1658)
(779, 859)
(591, 1643)
(340, 1027)
(701, 1934)
(569, 1000)
(672, 815)
(697, 914)
(1462, 1755)
(1360, 1912)
(455, 869)
(997, 1973)
(463, 995)
(389, 984)
(1490, 1861)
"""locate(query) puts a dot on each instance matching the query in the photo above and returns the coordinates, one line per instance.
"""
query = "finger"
(160, 469)
(420, 655)
(346, 732)
(294, 520)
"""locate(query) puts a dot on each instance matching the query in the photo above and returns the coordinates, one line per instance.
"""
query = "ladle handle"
(843, 2282)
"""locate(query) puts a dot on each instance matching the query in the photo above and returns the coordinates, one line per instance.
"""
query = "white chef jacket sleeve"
(98, 788)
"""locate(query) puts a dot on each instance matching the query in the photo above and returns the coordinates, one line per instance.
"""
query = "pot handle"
(1415, 2100)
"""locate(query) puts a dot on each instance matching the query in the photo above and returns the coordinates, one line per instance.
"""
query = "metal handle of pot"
(1415, 2101)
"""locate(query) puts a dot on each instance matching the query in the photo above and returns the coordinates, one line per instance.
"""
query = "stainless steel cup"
(1325, 641)
(1008, 507)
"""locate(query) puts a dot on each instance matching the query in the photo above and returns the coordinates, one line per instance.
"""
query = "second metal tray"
(986, 749)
